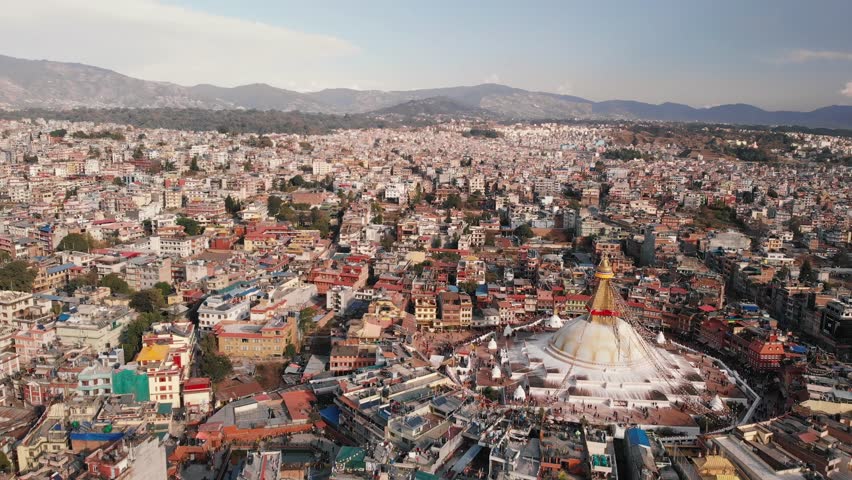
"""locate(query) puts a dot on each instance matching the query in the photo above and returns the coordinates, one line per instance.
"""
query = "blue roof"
(63, 317)
(637, 436)
(60, 268)
(799, 349)
(331, 415)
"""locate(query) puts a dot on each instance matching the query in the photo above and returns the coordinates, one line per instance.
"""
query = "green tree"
(118, 181)
(190, 226)
(17, 275)
(807, 273)
(306, 319)
(131, 336)
(164, 288)
(388, 241)
(60, 133)
(213, 364)
(273, 205)
(290, 350)
(453, 201)
(297, 181)
(147, 301)
(5, 464)
(469, 287)
(232, 206)
(115, 283)
(193, 165)
(524, 232)
(76, 242)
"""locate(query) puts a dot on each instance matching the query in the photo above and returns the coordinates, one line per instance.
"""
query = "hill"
(26, 84)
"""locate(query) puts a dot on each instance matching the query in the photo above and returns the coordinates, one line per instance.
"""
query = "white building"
(217, 309)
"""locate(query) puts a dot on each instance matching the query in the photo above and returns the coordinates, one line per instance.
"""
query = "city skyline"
(758, 53)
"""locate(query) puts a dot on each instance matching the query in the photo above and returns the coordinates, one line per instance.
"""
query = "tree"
(213, 364)
(118, 181)
(18, 276)
(147, 301)
(807, 272)
(524, 232)
(436, 242)
(232, 206)
(453, 201)
(290, 350)
(193, 165)
(273, 205)
(5, 464)
(74, 242)
(388, 241)
(131, 336)
(190, 226)
(164, 288)
(469, 287)
(115, 283)
(306, 319)
(297, 181)
(60, 133)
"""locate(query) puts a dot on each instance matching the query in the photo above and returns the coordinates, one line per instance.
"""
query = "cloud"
(493, 78)
(564, 88)
(847, 91)
(152, 40)
(803, 55)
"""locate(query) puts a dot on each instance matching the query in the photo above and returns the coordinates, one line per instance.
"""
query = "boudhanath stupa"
(601, 358)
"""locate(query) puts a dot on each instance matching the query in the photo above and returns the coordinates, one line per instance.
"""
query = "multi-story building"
(240, 339)
(218, 308)
(837, 322)
(95, 326)
(178, 246)
(455, 310)
(347, 358)
(144, 272)
(425, 310)
(28, 343)
(164, 374)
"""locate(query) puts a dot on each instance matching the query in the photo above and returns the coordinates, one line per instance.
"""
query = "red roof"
(707, 308)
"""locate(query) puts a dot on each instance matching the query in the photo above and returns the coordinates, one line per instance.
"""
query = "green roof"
(420, 475)
(352, 458)
(164, 408)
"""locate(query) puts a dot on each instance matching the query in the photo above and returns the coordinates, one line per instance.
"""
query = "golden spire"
(602, 307)
(604, 269)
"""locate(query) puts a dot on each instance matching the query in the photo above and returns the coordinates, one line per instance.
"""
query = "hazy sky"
(777, 54)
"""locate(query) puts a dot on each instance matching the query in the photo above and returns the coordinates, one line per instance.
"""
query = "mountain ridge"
(46, 84)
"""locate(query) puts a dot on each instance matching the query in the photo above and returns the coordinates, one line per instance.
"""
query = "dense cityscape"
(464, 299)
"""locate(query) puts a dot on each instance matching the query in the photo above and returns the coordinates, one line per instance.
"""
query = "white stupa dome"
(496, 374)
(507, 332)
(596, 344)
(492, 344)
(554, 322)
(661, 339)
(717, 405)
(520, 395)
(600, 339)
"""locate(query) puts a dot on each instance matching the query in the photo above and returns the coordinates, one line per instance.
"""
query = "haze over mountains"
(57, 85)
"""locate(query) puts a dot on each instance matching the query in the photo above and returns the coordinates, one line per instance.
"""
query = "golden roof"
(602, 308)
(153, 353)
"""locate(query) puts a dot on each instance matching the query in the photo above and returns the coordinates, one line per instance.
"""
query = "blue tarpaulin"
(331, 415)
